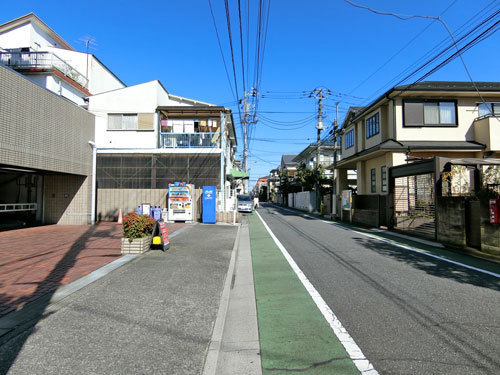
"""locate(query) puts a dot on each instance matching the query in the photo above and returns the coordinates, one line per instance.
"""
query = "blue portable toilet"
(209, 204)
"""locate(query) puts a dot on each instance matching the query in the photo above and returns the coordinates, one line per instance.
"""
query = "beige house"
(418, 121)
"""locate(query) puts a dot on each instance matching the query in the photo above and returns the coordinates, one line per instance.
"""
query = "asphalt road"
(409, 313)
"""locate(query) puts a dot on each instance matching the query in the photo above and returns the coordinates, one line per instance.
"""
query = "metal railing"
(42, 60)
(189, 140)
(16, 207)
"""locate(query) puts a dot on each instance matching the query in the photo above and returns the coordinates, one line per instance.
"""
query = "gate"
(414, 204)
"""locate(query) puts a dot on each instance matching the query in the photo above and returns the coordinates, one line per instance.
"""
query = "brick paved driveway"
(35, 261)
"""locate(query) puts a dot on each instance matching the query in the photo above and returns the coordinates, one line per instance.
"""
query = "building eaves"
(460, 86)
(191, 108)
(194, 101)
(287, 159)
(128, 87)
(408, 146)
(431, 86)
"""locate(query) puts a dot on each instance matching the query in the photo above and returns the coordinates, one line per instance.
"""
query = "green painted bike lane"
(294, 335)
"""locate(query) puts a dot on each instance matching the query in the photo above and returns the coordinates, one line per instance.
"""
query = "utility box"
(209, 205)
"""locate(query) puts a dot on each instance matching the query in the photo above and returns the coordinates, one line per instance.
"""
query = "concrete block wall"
(451, 225)
(366, 217)
(110, 201)
(490, 233)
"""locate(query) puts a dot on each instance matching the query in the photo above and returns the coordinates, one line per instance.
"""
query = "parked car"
(245, 203)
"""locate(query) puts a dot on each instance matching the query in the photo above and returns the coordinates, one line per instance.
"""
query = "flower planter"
(137, 246)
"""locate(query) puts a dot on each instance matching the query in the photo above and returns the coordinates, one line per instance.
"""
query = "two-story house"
(309, 155)
(407, 139)
(413, 122)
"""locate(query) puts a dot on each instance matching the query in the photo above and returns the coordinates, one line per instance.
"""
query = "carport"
(21, 197)
(417, 196)
(413, 189)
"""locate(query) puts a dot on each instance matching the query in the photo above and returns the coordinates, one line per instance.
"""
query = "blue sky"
(315, 43)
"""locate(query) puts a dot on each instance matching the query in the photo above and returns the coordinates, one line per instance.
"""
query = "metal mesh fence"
(414, 204)
(156, 171)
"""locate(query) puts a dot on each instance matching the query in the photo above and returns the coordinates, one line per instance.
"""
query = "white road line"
(406, 247)
(352, 349)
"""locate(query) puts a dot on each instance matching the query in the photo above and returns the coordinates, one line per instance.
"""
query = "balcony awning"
(239, 174)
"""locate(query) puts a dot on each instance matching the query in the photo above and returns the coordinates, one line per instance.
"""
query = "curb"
(213, 351)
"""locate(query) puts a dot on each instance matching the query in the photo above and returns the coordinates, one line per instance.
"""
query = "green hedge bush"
(137, 226)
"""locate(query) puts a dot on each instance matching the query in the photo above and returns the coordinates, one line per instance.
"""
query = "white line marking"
(352, 349)
(406, 247)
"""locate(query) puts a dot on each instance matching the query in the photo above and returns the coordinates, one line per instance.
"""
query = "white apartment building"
(33, 49)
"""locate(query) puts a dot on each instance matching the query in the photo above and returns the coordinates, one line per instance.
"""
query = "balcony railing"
(189, 140)
(42, 60)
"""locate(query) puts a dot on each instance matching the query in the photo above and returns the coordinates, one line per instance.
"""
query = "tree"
(309, 176)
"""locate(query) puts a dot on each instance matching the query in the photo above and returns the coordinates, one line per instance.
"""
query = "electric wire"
(220, 48)
(401, 49)
(454, 41)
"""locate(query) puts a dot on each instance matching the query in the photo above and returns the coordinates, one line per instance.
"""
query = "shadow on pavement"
(37, 308)
(432, 266)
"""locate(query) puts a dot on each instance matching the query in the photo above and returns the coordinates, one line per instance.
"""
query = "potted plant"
(137, 230)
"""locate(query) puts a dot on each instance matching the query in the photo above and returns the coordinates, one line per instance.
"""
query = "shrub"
(137, 226)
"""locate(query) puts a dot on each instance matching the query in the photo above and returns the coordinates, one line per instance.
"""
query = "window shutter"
(414, 114)
(114, 122)
(145, 121)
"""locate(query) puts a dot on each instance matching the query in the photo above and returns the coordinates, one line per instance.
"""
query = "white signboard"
(346, 199)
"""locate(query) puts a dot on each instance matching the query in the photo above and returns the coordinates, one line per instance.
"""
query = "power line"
(228, 22)
(241, 47)
(435, 48)
(220, 48)
(400, 50)
(437, 18)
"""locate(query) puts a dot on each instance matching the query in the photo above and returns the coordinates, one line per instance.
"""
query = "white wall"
(61, 87)
(17, 38)
(142, 98)
(27, 35)
(41, 40)
(101, 79)
(304, 201)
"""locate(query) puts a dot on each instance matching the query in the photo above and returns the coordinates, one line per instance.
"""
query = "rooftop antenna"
(90, 42)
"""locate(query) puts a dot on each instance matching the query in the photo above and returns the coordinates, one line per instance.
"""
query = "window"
(122, 122)
(383, 175)
(488, 109)
(349, 139)
(430, 113)
(372, 125)
(373, 180)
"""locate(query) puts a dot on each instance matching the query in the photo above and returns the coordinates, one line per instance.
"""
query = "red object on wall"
(494, 203)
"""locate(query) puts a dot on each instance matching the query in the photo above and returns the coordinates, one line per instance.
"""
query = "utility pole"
(319, 94)
(246, 121)
(245, 134)
(335, 130)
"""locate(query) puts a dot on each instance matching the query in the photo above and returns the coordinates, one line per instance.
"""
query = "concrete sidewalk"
(235, 348)
(153, 315)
